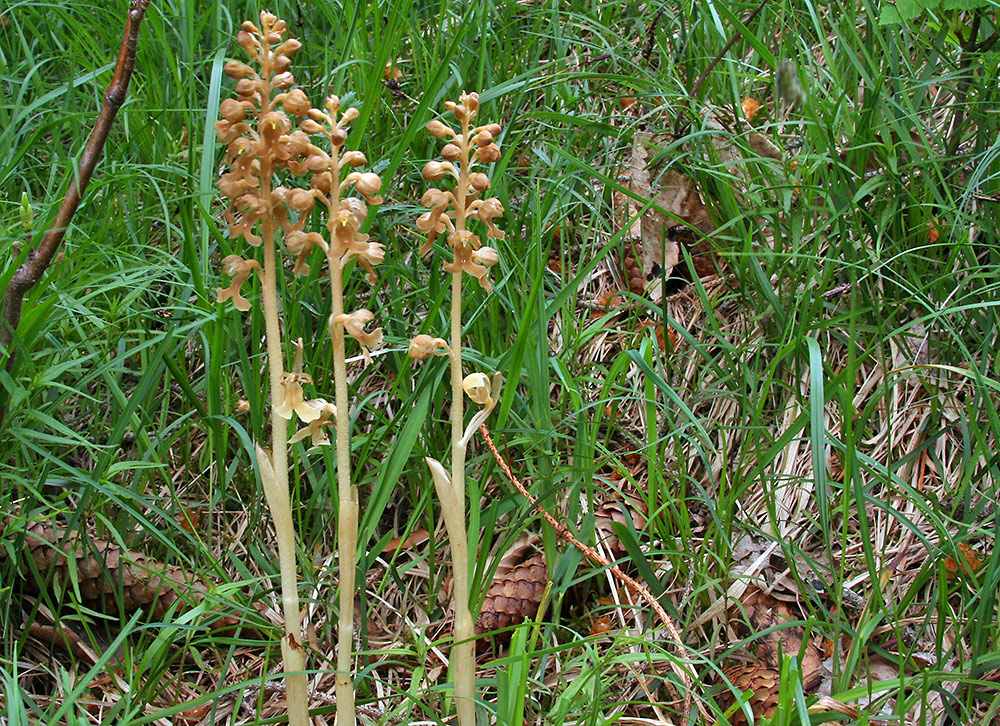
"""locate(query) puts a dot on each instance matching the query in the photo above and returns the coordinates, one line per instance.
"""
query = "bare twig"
(595, 556)
(651, 35)
(678, 129)
(970, 48)
(39, 259)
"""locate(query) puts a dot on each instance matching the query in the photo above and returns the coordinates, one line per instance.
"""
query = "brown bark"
(39, 259)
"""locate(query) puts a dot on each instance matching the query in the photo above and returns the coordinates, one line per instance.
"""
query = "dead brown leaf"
(679, 213)
(750, 107)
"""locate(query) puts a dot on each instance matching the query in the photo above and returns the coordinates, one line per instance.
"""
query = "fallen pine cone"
(764, 611)
(763, 680)
(618, 509)
(517, 588)
(110, 578)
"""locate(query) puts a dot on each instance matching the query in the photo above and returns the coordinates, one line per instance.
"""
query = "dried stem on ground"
(595, 556)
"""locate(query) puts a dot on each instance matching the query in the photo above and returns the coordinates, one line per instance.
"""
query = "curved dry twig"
(595, 556)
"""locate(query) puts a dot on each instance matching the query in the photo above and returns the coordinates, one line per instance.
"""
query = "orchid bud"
(310, 126)
(246, 87)
(233, 185)
(353, 158)
(280, 64)
(232, 110)
(226, 132)
(289, 47)
(471, 100)
(301, 200)
(435, 170)
(235, 266)
(439, 130)
(322, 180)
(283, 80)
(479, 181)
(296, 102)
(451, 152)
(488, 154)
(486, 256)
(236, 70)
(248, 43)
(298, 242)
(368, 184)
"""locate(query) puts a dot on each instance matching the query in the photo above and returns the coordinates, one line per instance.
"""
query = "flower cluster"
(345, 215)
(257, 129)
(449, 210)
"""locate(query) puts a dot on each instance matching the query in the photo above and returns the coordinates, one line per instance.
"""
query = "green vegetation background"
(123, 404)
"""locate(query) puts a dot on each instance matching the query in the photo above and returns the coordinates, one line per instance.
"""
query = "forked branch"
(39, 259)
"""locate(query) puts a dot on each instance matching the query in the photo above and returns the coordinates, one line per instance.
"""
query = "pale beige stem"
(279, 497)
(463, 653)
(347, 520)
(279, 500)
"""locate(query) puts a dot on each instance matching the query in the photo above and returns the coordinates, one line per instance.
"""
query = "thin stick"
(969, 48)
(678, 131)
(595, 556)
(39, 260)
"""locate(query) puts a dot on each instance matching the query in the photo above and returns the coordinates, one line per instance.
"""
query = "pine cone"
(756, 677)
(633, 273)
(764, 611)
(111, 579)
(517, 587)
(613, 511)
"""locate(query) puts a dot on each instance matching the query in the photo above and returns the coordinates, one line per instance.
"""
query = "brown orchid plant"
(273, 134)
(286, 160)
(451, 209)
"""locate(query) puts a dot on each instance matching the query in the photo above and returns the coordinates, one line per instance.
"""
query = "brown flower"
(317, 427)
(238, 269)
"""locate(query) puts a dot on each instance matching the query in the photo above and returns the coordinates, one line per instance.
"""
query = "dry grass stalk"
(595, 556)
